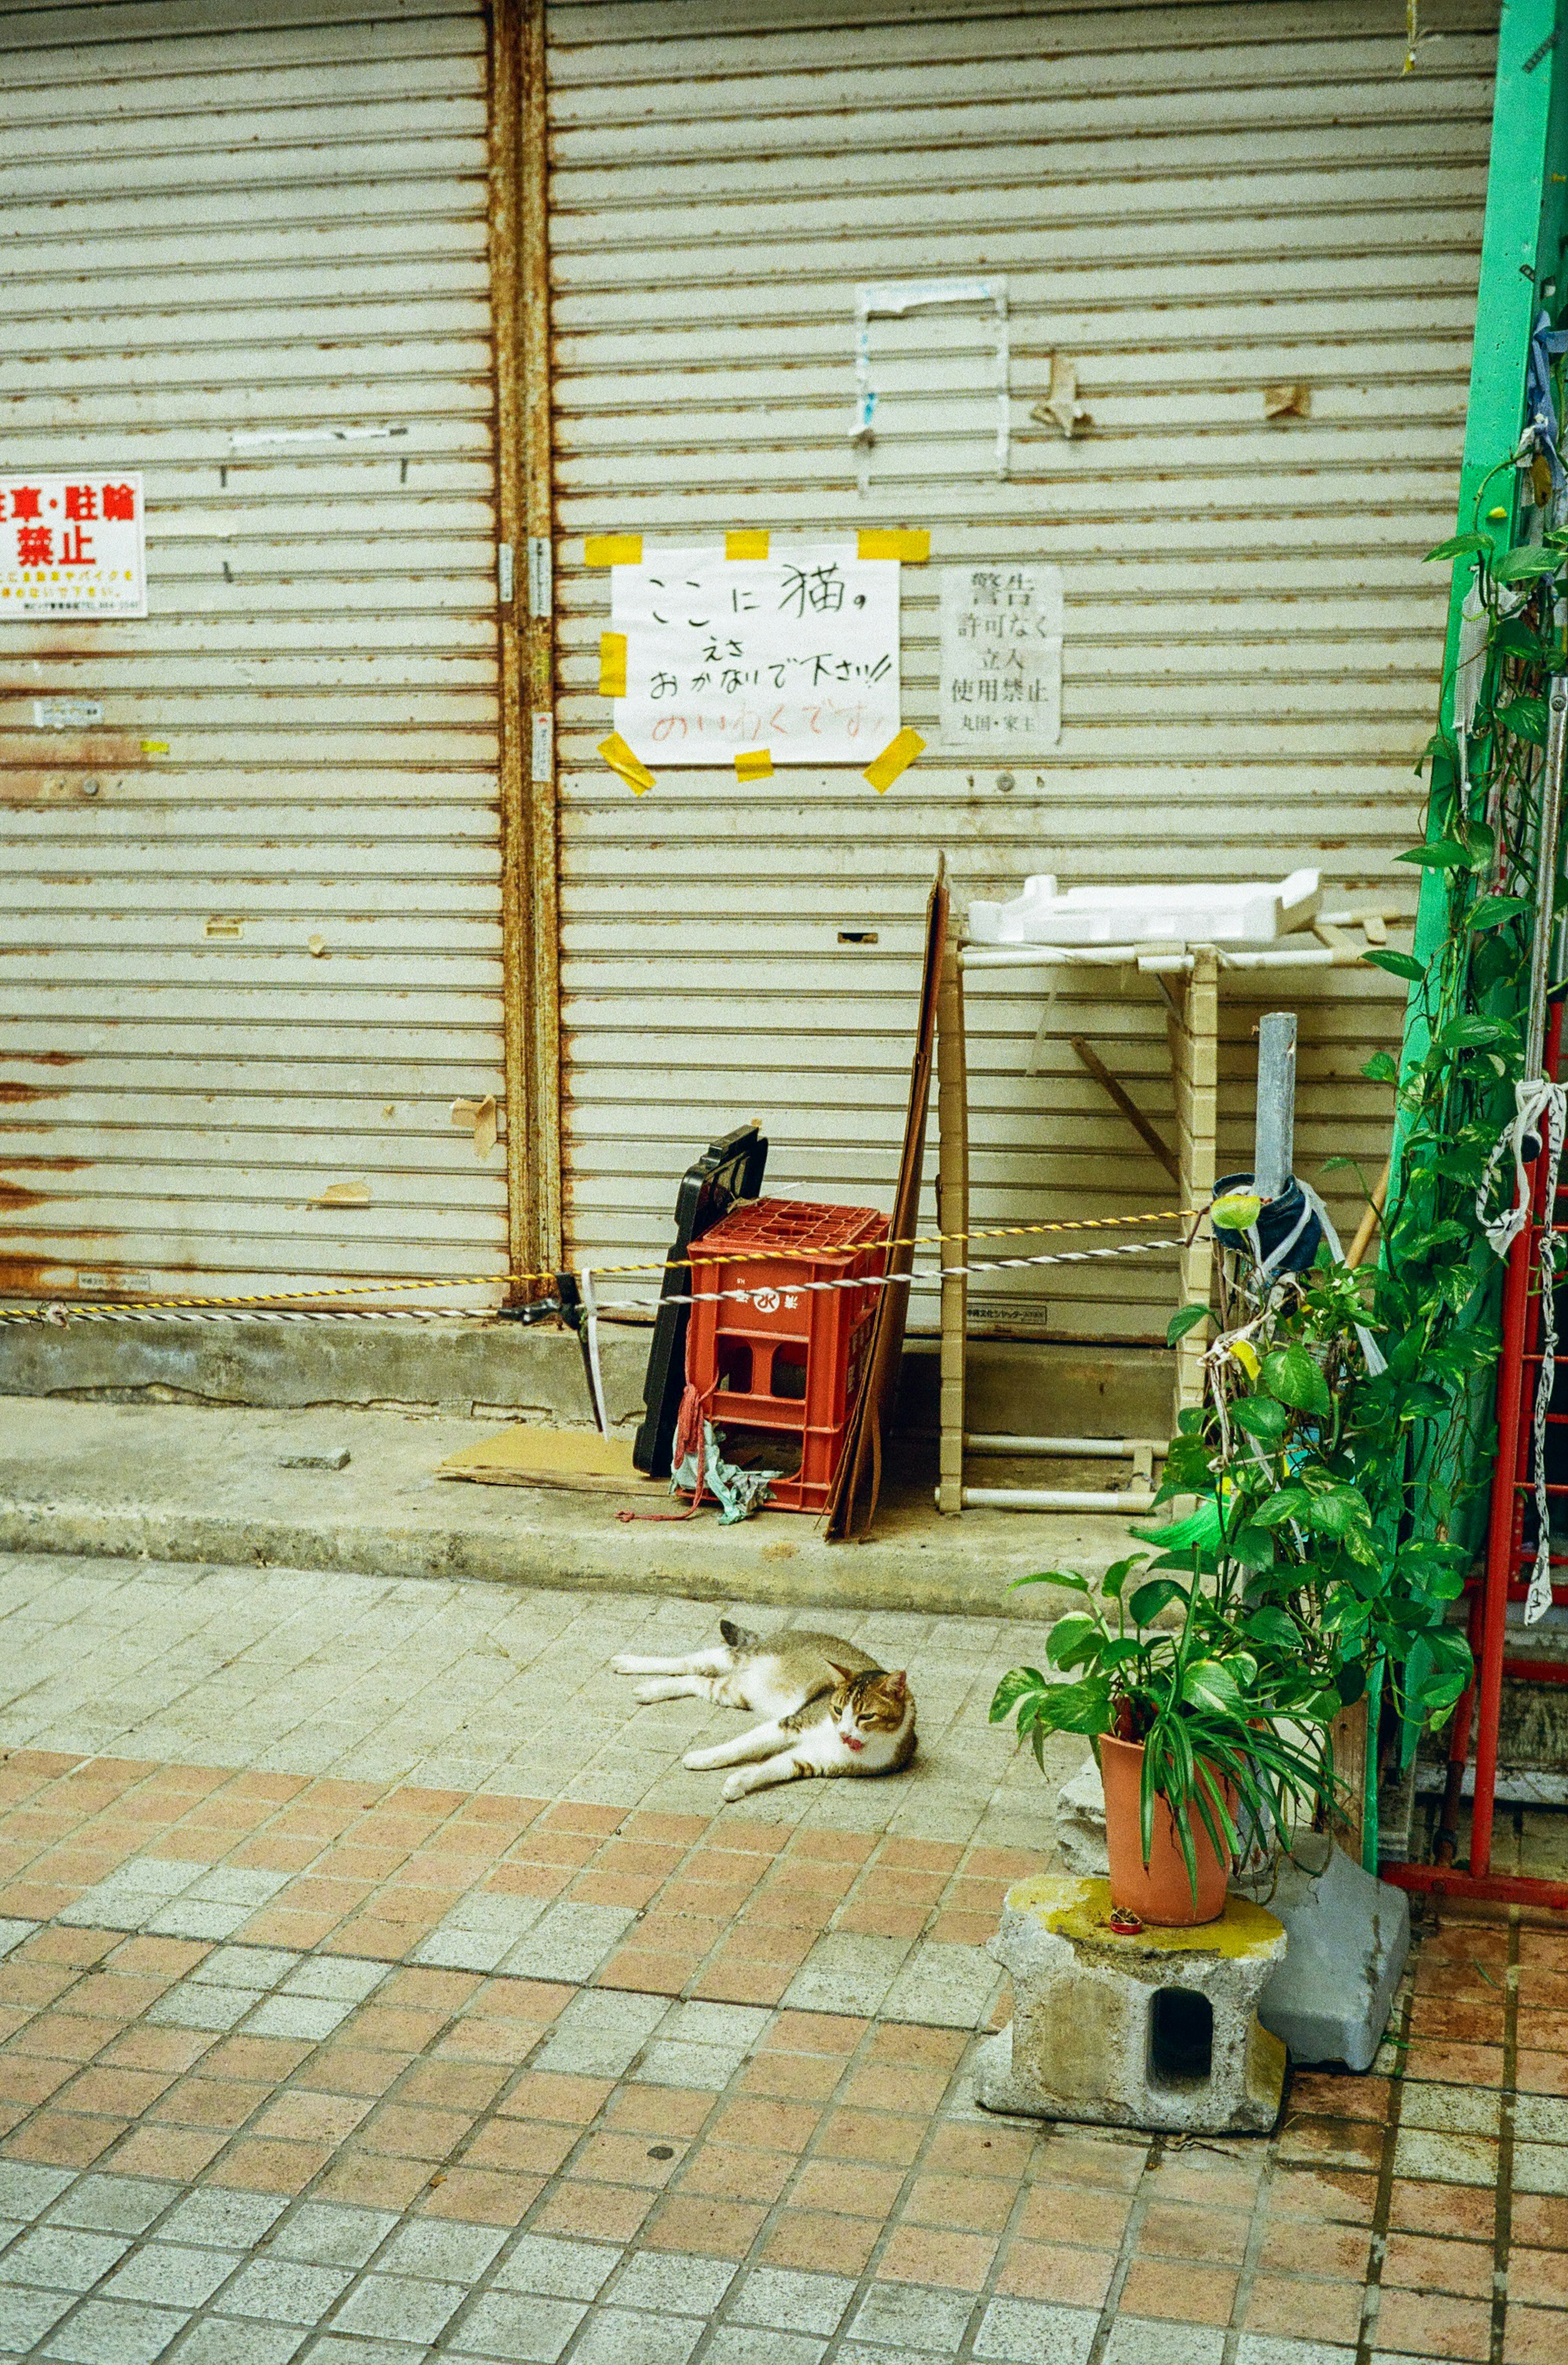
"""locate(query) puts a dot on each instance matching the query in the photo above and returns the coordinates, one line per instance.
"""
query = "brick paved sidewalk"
(295, 2066)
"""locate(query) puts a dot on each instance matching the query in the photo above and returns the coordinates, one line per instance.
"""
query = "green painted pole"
(1519, 248)
(1520, 260)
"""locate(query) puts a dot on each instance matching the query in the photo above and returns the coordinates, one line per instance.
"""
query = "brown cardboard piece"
(528, 1455)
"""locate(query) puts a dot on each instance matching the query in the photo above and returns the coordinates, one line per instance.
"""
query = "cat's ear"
(845, 1674)
(898, 1684)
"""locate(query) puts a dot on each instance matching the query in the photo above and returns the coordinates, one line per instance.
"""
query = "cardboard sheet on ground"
(529, 1456)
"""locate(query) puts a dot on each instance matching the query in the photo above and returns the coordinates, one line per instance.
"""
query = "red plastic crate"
(779, 1365)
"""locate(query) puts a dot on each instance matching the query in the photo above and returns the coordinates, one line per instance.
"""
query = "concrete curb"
(178, 1483)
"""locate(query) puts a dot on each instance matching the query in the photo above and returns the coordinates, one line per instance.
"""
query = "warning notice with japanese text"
(797, 654)
(1002, 629)
(72, 546)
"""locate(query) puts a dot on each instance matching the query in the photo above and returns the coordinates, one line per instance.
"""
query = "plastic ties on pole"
(1531, 1102)
(1546, 345)
(1537, 1601)
(1283, 1238)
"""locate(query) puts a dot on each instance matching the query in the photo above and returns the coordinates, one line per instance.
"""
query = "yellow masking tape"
(896, 757)
(154, 746)
(756, 765)
(632, 769)
(613, 550)
(612, 665)
(913, 544)
(745, 545)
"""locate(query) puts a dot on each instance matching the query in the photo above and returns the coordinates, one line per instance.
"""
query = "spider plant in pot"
(1210, 1730)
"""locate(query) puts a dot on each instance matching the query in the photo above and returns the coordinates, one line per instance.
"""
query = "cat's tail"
(739, 1638)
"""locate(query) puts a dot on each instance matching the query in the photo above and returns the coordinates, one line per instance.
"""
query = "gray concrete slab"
(179, 1482)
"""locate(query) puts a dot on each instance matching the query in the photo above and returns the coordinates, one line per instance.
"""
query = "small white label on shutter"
(542, 760)
(503, 571)
(66, 714)
(541, 575)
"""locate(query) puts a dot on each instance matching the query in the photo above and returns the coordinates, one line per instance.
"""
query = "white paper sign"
(1002, 629)
(72, 546)
(797, 654)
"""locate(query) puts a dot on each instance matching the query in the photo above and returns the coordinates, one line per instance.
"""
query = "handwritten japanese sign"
(72, 546)
(1002, 629)
(797, 654)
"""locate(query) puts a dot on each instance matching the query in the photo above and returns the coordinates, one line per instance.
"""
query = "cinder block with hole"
(1156, 2030)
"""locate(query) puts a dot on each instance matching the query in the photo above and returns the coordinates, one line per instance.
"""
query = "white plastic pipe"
(1078, 1449)
(1053, 1498)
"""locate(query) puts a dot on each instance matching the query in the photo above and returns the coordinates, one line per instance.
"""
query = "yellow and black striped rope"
(614, 1271)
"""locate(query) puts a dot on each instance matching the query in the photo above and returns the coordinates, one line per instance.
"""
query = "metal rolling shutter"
(224, 223)
(1191, 203)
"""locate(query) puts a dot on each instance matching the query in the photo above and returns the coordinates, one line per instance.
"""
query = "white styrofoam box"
(1253, 914)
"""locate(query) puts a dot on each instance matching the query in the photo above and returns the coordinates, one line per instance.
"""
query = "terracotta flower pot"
(1160, 1891)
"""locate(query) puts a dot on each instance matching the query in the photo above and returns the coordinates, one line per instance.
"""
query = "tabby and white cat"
(828, 1708)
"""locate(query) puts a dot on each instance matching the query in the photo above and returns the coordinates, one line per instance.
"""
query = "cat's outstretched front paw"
(736, 1787)
(624, 1662)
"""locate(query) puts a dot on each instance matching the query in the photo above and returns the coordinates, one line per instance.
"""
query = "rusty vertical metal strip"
(509, 528)
(541, 880)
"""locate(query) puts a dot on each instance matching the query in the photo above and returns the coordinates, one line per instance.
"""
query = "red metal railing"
(1508, 1561)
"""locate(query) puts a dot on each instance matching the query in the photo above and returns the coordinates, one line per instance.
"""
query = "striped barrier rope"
(58, 1315)
(113, 1309)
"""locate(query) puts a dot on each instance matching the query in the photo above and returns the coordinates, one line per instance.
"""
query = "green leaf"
(1493, 909)
(1149, 1599)
(1261, 1416)
(1350, 1681)
(1380, 1069)
(1397, 965)
(1291, 1374)
(1525, 718)
(1120, 1654)
(1076, 1708)
(1289, 1503)
(1252, 1546)
(1469, 1033)
(1188, 1319)
(1011, 1688)
(1526, 564)
(1072, 1638)
(1443, 853)
(1460, 546)
(1115, 1576)
(1237, 1211)
(1208, 1684)
(1189, 1465)
(1336, 1510)
(1271, 1626)
(1053, 1576)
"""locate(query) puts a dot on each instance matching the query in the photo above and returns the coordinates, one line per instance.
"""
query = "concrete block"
(1158, 2030)
(1348, 1935)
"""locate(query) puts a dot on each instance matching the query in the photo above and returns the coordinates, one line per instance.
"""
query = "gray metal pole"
(1274, 1140)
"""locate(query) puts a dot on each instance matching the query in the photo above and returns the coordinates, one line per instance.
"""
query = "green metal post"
(1521, 255)
(1521, 245)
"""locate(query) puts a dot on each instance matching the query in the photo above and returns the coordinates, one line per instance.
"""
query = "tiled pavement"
(297, 2063)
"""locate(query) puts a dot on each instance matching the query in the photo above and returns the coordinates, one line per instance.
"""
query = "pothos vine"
(1340, 1492)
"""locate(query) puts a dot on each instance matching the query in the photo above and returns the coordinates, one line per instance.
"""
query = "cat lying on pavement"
(827, 1708)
